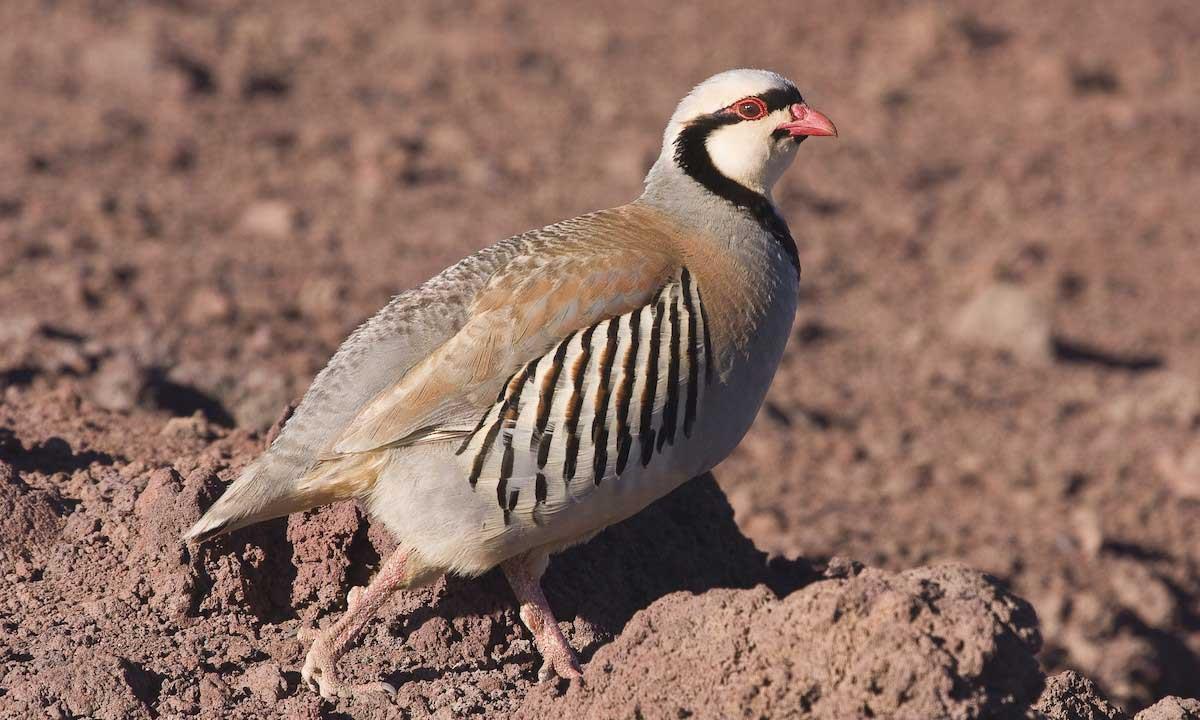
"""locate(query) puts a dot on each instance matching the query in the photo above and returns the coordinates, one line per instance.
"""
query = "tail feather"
(261, 494)
(258, 494)
(206, 529)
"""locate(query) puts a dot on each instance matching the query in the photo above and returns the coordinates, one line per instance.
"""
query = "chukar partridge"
(558, 381)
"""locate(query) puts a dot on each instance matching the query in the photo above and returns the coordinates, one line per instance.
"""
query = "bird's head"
(740, 127)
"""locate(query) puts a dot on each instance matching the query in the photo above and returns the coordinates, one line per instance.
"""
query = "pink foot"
(320, 674)
(320, 664)
(524, 574)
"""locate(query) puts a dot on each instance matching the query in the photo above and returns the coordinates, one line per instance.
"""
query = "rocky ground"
(991, 401)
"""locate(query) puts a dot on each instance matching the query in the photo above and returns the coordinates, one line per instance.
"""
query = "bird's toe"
(567, 668)
(373, 689)
(320, 675)
(317, 672)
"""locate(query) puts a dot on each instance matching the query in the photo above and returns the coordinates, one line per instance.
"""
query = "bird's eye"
(751, 108)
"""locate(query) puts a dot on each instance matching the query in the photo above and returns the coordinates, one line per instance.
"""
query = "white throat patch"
(747, 153)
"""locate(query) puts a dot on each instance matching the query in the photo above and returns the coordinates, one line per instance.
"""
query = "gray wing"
(379, 352)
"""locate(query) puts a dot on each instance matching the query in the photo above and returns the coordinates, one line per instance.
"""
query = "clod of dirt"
(120, 383)
(1007, 317)
(326, 542)
(270, 218)
(942, 641)
(1171, 708)
(193, 426)
(265, 681)
(247, 573)
(29, 517)
(171, 575)
(209, 305)
(1070, 696)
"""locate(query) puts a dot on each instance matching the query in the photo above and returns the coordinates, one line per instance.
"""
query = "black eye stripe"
(776, 99)
(779, 98)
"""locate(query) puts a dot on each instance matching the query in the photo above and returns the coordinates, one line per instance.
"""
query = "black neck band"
(691, 155)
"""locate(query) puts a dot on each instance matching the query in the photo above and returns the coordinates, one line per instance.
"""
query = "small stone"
(127, 63)
(193, 427)
(1180, 474)
(209, 305)
(320, 297)
(119, 383)
(265, 681)
(19, 329)
(1171, 398)
(1088, 530)
(1008, 318)
(268, 218)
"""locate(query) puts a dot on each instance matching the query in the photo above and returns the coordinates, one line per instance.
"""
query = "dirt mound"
(1070, 696)
(675, 612)
(944, 641)
(28, 517)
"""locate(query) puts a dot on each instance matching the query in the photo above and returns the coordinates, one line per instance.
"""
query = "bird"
(556, 382)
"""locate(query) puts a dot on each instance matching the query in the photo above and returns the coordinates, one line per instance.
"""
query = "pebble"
(1008, 318)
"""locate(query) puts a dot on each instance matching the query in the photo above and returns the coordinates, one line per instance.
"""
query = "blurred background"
(997, 355)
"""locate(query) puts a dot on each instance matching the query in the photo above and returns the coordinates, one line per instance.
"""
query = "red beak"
(806, 121)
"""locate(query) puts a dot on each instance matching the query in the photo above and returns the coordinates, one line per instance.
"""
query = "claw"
(320, 675)
(375, 687)
(567, 668)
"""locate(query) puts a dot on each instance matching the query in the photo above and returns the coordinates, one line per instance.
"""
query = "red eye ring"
(750, 108)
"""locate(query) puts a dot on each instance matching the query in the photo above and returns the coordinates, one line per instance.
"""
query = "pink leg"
(524, 573)
(320, 666)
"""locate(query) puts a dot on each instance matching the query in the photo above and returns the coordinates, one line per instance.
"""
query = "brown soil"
(996, 364)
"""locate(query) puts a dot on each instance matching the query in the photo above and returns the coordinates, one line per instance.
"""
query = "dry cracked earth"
(974, 491)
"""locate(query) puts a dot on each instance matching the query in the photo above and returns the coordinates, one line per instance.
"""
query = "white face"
(749, 152)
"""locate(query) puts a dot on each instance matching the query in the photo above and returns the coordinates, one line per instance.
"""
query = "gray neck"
(670, 189)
